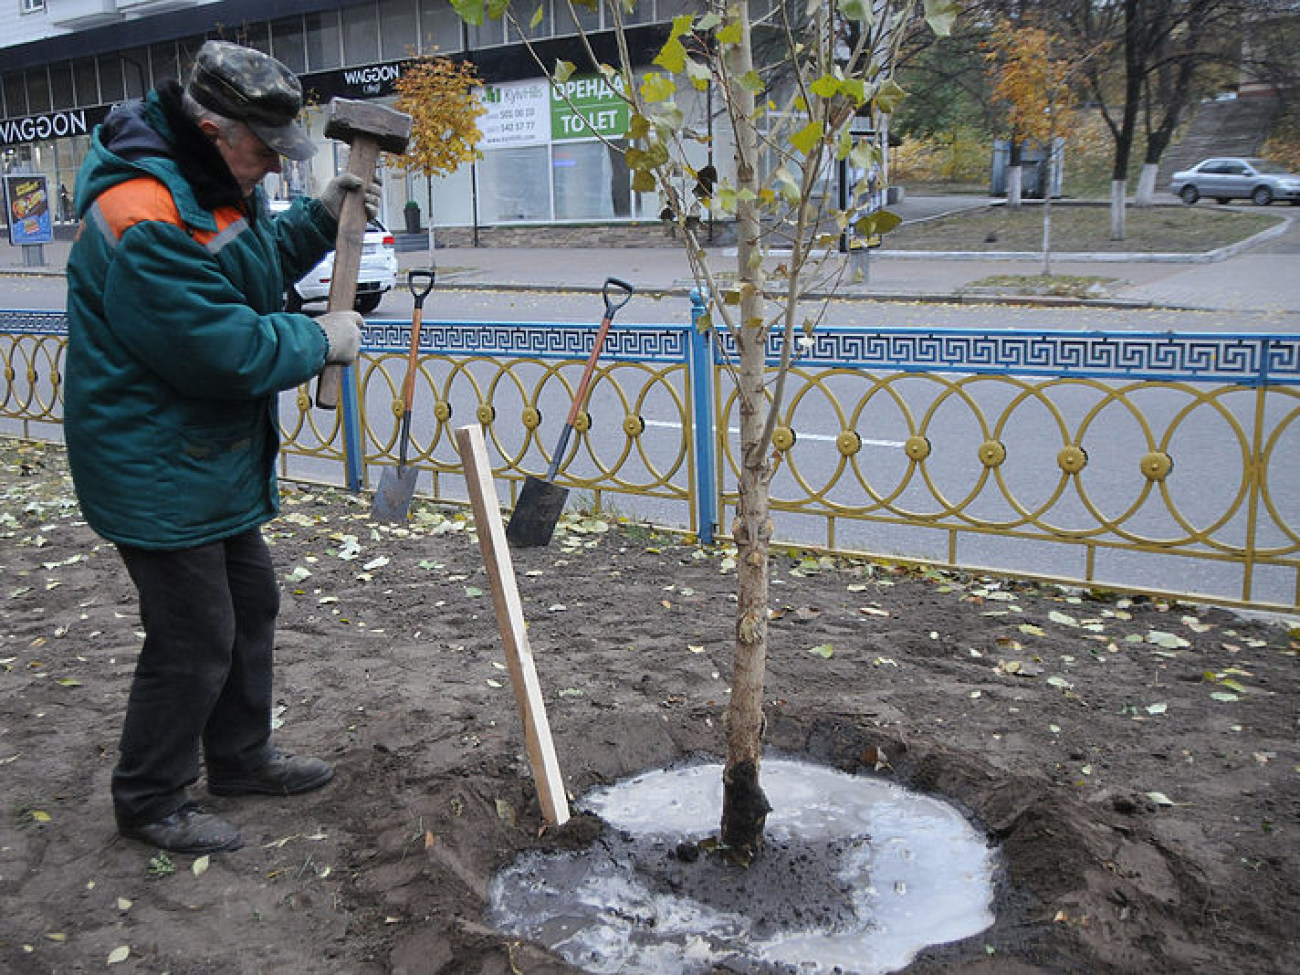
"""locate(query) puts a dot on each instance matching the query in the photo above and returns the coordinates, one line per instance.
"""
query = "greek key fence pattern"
(1162, 356)
(1160, 462)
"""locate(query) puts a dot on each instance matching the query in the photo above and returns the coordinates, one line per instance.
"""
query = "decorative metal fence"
(1161, 462)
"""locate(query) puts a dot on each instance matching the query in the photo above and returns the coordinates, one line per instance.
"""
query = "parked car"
(376, 276)
(1227, 178)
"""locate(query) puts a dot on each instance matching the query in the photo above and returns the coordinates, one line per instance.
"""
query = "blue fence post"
(351, 422)
(702, 422)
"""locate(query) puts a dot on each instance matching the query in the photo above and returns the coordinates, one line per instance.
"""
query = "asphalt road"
(451, 303)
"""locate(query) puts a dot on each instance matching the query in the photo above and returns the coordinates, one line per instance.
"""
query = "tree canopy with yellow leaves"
(440, 96)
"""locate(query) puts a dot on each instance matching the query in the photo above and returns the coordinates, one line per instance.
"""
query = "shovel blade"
(536, 514)
(393, 499)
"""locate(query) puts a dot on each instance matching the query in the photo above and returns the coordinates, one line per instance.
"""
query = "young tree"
(1036, 84)
(440, 96)
(788, 117)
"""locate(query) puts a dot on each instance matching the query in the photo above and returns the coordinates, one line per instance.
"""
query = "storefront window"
(322, 40)
(545, 27)
(591, 182)
(257, 36)
(288, 44)
(453, 199)
(489, 34)
(110, 80)
(360, 35)
(86, 79)
(588, 18)
(15, 92)
(398, 36)
(61, 85)
(162, 61)
(514, 185)
(135, 70)
(439, 28)
(38, 90)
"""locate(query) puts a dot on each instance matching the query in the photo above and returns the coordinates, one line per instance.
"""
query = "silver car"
(1227, 178)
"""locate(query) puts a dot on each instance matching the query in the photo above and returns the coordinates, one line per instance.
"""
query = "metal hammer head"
(350, 119)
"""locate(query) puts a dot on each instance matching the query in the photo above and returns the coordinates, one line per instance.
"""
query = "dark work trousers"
(203, 679)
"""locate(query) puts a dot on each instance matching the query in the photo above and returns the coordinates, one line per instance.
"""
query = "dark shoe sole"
(252, 787)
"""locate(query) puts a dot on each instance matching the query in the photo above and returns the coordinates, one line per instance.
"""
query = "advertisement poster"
(27, 205)
(516, 114)
(585, 106)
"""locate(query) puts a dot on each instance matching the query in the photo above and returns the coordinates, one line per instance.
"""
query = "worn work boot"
(283, 775)
(187, 830)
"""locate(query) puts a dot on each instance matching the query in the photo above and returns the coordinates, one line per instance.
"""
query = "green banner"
(592, 108)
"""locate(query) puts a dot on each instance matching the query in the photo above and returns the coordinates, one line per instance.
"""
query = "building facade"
(65, 63)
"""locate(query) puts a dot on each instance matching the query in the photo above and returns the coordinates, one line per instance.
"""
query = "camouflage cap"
(254, 88)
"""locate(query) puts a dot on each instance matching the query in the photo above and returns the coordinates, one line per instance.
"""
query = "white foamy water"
(919, 875)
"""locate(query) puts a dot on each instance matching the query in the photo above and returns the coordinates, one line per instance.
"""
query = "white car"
(377, 274)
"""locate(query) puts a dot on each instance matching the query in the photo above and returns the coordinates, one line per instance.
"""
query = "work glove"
(340, 186)
(343, 333)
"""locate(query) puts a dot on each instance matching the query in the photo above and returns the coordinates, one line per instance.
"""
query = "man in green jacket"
(178, 347)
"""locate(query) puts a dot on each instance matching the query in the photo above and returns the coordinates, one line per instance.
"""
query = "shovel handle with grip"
(612, 304)
(413, 354)
(541, 500)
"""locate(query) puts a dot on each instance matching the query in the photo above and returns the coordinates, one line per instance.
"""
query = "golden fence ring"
(485, 413)
(304, 401)
(442, 411)
(582, 422)
(1156, 465)
(531, 417)
(917, 447)
(849, 442)
(783, 438)
(1072, 459)
(633, 425)
(992, 453)
(399, 408)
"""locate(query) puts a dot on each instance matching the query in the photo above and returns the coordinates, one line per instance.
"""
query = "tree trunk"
(1015, 175)
(1118, 190)
(1133, 72)
(1047, 232)
(744, 806)
(1146, 191)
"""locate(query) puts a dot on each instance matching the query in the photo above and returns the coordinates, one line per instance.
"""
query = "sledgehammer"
(368, 128)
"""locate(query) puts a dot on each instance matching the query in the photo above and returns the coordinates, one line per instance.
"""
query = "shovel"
(397, 485)
(542, 500)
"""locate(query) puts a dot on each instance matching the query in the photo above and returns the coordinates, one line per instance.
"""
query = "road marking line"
(822, 437)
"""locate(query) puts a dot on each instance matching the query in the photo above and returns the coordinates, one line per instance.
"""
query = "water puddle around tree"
(857, 876)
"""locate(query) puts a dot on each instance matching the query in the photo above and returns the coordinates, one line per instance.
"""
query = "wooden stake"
(510, 621)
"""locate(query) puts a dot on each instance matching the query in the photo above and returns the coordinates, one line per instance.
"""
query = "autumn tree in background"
(786, 119)
(1036, 83)
(1033, 81)
(441, 97)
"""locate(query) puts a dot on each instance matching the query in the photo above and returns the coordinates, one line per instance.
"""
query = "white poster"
(518, 114)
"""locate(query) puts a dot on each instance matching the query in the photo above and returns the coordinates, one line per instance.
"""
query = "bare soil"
(1135, 761)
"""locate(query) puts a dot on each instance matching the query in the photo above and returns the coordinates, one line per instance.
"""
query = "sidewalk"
(1260, 277)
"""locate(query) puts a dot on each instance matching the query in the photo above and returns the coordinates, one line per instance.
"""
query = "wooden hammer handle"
(362, 159)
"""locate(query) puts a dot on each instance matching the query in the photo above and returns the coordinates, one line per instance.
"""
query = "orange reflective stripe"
(126, 204)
